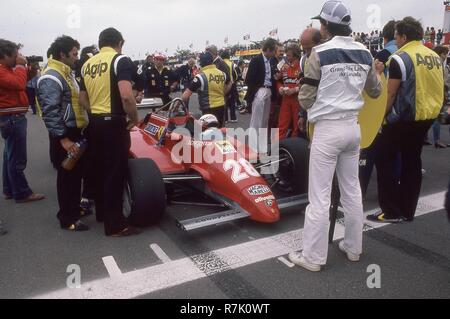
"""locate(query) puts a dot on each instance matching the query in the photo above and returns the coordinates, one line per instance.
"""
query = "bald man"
(309, 39)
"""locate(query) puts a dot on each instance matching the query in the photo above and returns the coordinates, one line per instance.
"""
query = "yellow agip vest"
(233, 73)
(421, 94)
(99, 78)
(212, 93)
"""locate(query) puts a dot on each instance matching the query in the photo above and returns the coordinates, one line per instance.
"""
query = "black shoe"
(440, 145)
(380, 218)
(78, 226)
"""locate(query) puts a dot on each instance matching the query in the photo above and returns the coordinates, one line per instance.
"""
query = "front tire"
(144, 193)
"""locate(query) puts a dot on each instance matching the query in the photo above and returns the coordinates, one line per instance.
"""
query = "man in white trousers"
(337, 74)
(261, 89)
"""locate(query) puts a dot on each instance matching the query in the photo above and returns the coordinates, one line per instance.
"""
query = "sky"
(157, 25)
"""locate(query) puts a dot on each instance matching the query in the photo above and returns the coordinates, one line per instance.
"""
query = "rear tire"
(294, 172)
(144, 193)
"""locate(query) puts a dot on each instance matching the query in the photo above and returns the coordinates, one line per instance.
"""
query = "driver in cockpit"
(210, 128)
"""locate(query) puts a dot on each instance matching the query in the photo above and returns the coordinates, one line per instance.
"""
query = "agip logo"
(217, 78)
(95, 70)
(429, 61)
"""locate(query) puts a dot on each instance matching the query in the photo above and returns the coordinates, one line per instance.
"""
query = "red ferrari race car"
(171, 159)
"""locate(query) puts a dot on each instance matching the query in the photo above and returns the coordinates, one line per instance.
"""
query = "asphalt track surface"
(237, 260)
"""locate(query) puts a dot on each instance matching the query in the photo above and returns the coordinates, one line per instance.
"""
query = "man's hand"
(70, 146)
(21, 60)
(139, 97)
(282, 91)
(186, 95)
(302, 124)
(131, 125)
(291, 92)
(379, 67)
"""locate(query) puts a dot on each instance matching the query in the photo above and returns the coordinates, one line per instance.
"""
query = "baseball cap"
(335, 12)
(206, 58)
(159, 56)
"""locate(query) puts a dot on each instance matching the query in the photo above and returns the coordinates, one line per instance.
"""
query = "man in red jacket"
(13, 123)
(288, 87)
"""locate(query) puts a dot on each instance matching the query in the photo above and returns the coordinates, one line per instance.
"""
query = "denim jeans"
(436, 131)
(31, 93)
(13, 129)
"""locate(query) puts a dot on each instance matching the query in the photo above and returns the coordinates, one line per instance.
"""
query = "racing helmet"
(208, 121)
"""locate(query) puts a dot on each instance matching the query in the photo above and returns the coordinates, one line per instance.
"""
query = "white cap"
(335, 12)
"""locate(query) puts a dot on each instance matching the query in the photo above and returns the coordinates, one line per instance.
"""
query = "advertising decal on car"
(258, 190)
(152, 129)
(225, 147)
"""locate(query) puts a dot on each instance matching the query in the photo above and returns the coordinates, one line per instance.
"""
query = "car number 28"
(242, 169)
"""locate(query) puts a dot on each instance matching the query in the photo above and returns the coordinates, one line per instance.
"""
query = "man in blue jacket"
(58, 94)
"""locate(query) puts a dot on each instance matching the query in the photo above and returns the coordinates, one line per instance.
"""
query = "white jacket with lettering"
(337, 74)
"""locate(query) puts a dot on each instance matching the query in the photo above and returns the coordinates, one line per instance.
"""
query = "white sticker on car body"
(258, 190)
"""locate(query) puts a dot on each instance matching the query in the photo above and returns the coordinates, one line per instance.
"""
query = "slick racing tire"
(144, 193)
(293, 171)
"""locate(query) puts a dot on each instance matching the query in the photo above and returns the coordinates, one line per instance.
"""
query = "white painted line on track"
(286, 262)
(181, 271)
(160, 253)
(112, 268)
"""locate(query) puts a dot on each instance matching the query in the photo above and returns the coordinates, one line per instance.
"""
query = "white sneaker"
(350, 256)
(298, 259)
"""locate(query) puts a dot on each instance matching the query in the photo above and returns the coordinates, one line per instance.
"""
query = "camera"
(34, 59)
